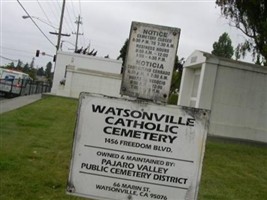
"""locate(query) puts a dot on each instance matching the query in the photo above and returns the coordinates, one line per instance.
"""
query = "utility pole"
(60, 24)
(78, 22)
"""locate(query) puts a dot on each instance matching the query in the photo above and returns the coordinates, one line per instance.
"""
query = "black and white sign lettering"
(126, 149)
(149, 62)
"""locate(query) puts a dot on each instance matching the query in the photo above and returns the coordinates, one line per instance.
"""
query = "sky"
(105, 26)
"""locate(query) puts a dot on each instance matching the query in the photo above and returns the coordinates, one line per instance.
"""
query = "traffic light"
(37, 53)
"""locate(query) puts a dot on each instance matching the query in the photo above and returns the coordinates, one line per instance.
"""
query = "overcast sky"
(105, 26)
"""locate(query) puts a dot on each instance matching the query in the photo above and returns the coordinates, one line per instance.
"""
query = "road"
(2, 97)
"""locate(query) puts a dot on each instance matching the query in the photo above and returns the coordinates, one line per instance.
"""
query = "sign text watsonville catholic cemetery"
(127, 149)
(150, 60)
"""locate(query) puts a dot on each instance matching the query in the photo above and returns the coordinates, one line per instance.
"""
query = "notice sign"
(149, 62)
(125, 149)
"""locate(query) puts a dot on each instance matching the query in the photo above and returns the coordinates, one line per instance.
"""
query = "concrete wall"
(235, 92)
(86, 73)
(79, 80)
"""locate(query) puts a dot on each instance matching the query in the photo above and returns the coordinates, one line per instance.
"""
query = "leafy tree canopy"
(223, 47)
(249, 16)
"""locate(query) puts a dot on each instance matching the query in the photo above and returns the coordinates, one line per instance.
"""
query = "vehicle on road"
(12, 82)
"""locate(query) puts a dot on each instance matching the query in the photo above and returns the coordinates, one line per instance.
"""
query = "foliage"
(40, 71)
(26, 68)
(123, 52)
(10, 65)
(48, 72)
(36, 143)
(223, 47)
(19, 66)
(249, 17)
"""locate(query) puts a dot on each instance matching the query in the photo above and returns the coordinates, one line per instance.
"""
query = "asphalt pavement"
(17, 102)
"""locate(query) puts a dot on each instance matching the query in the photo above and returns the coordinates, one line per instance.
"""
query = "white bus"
(12, 82)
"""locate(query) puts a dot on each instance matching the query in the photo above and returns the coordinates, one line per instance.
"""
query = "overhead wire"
(10, 59)
(71, 20)
(68, 23)
(83, 36)
(53, 11)
(18, 50)
(35, 23)
(73, 9)
(41, 7)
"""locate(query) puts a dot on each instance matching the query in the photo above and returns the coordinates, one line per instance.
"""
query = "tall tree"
(48, 71)
(249, 16)
(19, 65)
(223, 47)
(26, 68)
(40, 71)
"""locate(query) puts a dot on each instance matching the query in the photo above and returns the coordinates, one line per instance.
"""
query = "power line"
(18, 50)
(8, 58)
(73, 9)
(65, 18)
(73, 28)
(80, 7)
(35, 23)
(51, 8)
(44, 12)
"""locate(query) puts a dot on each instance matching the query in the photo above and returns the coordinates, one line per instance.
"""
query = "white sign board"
(149, 62)
(126, 149)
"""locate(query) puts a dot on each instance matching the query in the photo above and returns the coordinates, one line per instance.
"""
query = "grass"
(35, 150)
(36, 145)
(234, 171)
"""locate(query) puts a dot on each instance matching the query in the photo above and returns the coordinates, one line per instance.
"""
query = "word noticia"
(150, 60)
(143, 125)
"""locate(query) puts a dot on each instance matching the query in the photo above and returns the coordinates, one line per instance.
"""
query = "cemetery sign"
(149, 62)
(136, 150)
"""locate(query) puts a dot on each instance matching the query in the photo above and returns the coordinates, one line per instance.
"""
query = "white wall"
(239, 107)
(86, 73)
(83, 80)
(235, 92)
(83, 62)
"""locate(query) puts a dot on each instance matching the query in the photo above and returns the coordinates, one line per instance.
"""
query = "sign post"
(127, 149)
(150, 60)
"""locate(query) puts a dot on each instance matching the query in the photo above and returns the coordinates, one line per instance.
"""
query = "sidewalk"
(12, 104)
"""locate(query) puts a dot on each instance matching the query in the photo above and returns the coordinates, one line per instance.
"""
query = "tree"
(48, 71)
(19, 65)
(26, 68)
(176, 80)
(123, 52)
(250, 18)
(223, 47)
(10, 66)
(40, 71)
